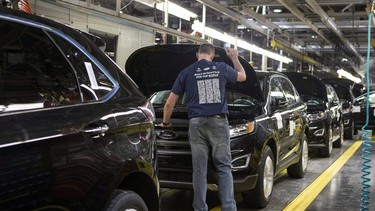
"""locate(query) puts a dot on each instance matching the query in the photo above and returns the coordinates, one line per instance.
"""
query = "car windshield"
(234, 99)
(362, 99)
(312, 100)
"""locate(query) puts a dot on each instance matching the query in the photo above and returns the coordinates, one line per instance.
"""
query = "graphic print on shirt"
(208, 85)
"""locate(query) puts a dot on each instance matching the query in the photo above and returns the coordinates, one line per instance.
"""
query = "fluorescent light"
(173, 9)
(349, 76)
(199, 27)
(277, 10)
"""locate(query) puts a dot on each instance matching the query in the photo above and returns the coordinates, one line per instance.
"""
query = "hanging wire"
(366, 146)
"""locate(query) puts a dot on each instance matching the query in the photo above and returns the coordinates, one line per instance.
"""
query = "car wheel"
(298, 170)
(261, 194)
(350, 132)
(125, 201)
(338, 143)
(327, 149)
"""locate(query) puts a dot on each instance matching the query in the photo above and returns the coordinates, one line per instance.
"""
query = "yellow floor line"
(304, 199)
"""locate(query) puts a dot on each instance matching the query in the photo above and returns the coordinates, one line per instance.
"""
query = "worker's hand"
(165, 125)
(232, 53)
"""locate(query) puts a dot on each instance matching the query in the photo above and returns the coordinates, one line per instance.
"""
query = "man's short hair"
(206, 49)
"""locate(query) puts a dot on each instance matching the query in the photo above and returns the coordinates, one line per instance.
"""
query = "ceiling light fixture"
(348, 75)
(277, 10)
(173, 9)
(199, 27)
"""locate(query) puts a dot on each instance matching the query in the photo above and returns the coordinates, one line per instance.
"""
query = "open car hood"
(155, 68)
(308, 85)
(341, 90)
(355, 88)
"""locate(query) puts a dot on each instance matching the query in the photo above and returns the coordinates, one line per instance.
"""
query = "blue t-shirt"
(204, 83)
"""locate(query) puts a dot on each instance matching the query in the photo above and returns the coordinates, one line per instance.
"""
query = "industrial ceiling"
(332, 33)
(319, 35)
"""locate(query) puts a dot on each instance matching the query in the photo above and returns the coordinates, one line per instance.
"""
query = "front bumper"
(347, 118)
(317, 134)
(175, 166)
(360, 119)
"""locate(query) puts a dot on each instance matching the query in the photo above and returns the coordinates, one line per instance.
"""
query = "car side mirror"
(277, 103)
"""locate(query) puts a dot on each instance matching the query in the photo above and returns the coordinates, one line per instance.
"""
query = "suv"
(266, 118)
(346, 97)
(360, 114)
(76, 133)
(326, 127)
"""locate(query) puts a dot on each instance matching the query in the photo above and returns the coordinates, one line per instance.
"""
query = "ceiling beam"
(303, 18)
(233, 15)
(330, 23)
(320, 2)
(357, 14)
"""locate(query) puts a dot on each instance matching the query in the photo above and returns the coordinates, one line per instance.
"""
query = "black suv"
(76, 133)
(266, 118)
(346, 97)
(326, 127)
(360, 114)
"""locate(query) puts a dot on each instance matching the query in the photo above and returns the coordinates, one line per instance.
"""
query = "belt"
(210, 116)
(218, 116)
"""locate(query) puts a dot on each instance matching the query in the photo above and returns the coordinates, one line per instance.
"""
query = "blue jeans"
(203, 133)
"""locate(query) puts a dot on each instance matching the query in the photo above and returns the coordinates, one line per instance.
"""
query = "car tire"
(125, 200)
(298, 170)
(326, 151)
(349, 134)
(260, 196)
(339, 142)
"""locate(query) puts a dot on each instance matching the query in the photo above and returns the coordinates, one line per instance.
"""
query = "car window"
(329, 94)
(289, 91)
(334, 95)
(276, 92)
(33, 73)
(93, 83)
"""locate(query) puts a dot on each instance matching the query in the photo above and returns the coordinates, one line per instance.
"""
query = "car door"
(58, 131)
(335, 111)
(296, 111)
(280, 116)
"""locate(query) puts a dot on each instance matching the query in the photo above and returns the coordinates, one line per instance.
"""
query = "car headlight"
(241, 129)
(317, 116)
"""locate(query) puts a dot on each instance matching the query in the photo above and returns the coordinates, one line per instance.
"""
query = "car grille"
(174, 159)
(174, 156)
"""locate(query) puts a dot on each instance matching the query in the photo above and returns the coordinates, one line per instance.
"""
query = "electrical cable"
(366, 146)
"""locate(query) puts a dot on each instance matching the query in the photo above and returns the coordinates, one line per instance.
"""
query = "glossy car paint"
(156, 67)
(75, 156)
(346, 96)
(360, 111)
(307, 86)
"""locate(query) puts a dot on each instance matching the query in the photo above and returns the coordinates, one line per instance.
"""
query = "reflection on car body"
(266, 117)
(360, 113)
(74, 136)
(343, 90)
(324, 110)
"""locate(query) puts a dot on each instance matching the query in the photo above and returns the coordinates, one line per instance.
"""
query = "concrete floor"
(343, 192)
